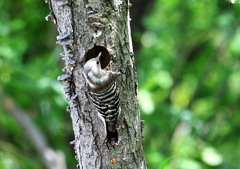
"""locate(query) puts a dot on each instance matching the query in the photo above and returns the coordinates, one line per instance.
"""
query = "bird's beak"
(98, 58)
(99, 55)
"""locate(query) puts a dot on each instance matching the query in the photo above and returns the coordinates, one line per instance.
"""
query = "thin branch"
(52, 159)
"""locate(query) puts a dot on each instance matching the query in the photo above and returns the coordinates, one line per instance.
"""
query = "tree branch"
(51, 158)
(87, 28)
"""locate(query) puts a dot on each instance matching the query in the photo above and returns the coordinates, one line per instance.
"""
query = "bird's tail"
(112, 135)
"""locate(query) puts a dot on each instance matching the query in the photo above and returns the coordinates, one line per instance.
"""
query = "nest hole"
(105, 56)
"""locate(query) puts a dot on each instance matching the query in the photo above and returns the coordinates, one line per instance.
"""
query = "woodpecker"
(104, 94)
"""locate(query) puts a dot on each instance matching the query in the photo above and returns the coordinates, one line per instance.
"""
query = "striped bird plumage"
(107, 103)
(104, 93)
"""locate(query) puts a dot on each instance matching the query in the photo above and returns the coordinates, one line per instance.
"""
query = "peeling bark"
(85, 26)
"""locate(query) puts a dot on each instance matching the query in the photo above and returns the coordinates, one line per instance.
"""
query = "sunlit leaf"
(211, 157)
(146, 102)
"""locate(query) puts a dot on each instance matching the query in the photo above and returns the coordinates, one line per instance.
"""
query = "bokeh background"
(188, 62)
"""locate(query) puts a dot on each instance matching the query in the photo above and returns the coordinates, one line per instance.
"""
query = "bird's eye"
(97, 62)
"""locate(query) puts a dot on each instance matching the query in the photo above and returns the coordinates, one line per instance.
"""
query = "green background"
(188, 67)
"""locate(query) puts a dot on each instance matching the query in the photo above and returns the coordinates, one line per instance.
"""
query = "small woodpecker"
(103, 92)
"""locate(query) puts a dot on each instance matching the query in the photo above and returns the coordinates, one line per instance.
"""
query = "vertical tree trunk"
(85, 28)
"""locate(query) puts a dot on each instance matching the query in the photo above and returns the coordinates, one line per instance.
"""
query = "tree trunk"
(85, 29)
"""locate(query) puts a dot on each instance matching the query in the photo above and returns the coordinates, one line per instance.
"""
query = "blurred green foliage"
(29, 66)
(189, 84)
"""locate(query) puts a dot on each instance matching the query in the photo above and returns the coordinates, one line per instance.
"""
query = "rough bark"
(85, 28)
